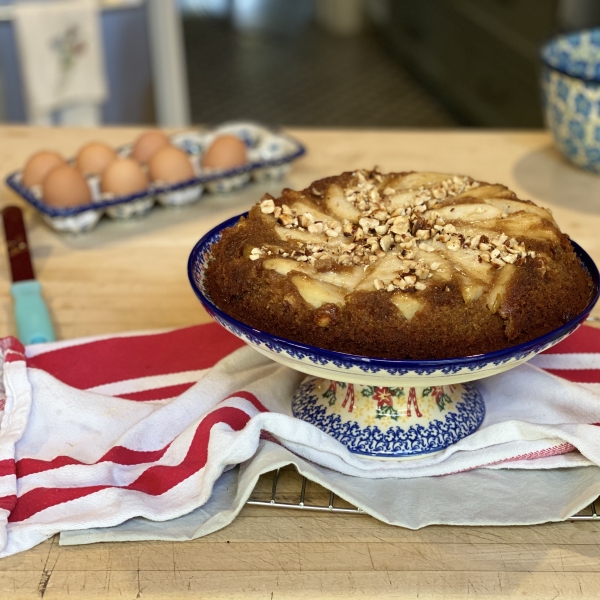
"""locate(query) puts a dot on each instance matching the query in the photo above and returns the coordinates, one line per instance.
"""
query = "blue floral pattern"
(397, 441)
(571, 90)
(582, 105)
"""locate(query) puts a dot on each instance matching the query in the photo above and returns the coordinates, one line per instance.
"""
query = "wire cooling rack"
(294, 495)
(314, 501)
(288, 489)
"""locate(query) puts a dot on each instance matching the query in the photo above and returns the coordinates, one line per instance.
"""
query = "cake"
(407, 265)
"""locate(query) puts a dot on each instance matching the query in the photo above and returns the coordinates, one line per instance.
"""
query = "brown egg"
(39, 165)
(226, 152)
(94, 157)
(148, 144)
(170, 165)
(124, 176)
(65, 186)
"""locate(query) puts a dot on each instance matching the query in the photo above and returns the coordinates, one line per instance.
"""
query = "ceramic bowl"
(350, 368)
(571, 94)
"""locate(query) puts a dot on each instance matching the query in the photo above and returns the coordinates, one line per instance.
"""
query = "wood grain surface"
(131, 275)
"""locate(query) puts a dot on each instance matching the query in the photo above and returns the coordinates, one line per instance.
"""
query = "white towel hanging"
(61, 57)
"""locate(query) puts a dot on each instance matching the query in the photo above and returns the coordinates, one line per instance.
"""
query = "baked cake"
(401, 265)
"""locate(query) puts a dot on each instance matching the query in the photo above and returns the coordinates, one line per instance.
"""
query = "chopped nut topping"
(367, 224)
(306, 219)
(286, 219)
(255, 253)
(408, 230)
(386, 242)
(267, 206)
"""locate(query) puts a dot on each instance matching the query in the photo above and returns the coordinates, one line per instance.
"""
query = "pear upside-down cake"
(400, 265)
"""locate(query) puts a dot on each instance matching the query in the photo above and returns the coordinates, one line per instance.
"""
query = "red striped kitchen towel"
(97, 431)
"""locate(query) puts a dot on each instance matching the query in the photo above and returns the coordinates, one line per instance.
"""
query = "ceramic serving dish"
(270, 155)
(571, 93)
(382, 408)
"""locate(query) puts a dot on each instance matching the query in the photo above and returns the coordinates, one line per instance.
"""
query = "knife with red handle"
(31, 313)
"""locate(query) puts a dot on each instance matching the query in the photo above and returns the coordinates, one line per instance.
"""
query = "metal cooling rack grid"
(293, 493)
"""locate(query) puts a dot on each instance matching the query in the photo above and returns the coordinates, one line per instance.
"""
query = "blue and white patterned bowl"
(351, 368)
(571, 94)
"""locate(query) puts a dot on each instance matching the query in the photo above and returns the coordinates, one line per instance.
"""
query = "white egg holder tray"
(269, 157)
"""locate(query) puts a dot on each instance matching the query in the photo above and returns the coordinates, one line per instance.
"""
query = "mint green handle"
(33, 320)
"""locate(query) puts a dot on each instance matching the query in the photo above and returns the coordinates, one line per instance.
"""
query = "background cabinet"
(481, 57)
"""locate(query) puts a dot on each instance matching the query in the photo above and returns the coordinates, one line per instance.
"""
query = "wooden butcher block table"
(125, 276)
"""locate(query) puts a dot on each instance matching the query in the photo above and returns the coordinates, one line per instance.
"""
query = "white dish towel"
(100, 431)
(61, 59)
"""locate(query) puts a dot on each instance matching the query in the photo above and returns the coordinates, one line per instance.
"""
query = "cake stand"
(379, 408)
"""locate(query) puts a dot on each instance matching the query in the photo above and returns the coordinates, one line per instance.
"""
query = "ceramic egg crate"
(268, 156)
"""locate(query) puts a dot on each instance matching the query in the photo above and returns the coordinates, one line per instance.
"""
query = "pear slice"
(402, 200)
(386, 269)
(528, 225)
(467, 262)
(486, 191)
(283, 266)
(309, 207)
(443, 270)
(416, 180)
(348, 278)
(317, 293)
(306, 237)
(339, 207)
(495, 295)
(470, 290)
(513, 206)
(407, 304)
(469, 212)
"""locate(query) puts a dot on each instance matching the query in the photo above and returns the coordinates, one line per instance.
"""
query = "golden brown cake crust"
(402, 266)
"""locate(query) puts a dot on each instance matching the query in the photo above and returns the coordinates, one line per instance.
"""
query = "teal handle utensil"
(31, 313)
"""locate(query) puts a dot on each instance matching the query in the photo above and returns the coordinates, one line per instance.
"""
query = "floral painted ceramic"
(377, 407)
(390, 422)
(571, 90)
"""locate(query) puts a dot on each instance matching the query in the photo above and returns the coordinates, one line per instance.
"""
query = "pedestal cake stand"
(379, 408)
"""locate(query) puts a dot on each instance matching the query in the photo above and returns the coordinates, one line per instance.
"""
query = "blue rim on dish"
(365, 363)
(556, 56)
(13, 181)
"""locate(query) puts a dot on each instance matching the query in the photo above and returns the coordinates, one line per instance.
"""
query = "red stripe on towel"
(577, 375)
(125, 358)
(584, 339)
(155, 480)
(158, 394)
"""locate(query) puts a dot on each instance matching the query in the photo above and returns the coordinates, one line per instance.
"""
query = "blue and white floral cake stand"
(378, 408)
